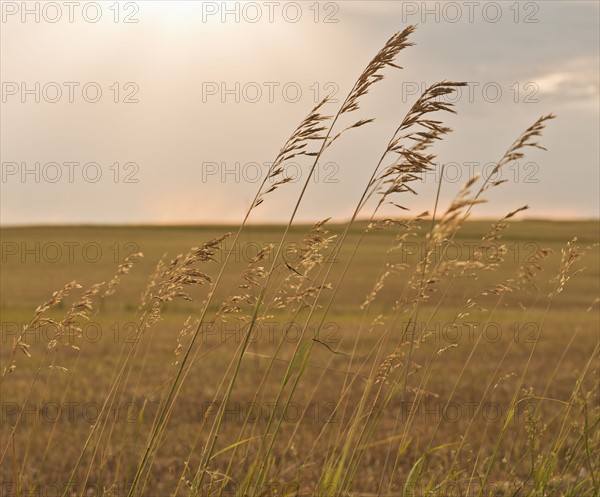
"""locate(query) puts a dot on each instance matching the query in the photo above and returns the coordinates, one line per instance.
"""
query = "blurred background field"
(38, 260)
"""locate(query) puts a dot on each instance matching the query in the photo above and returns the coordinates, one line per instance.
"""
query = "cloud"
(177, 126)
(577, 80)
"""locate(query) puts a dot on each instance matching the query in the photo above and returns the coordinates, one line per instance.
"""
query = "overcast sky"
(171, 119)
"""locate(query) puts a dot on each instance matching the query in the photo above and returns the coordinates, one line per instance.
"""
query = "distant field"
(472, 345)
(36, 261)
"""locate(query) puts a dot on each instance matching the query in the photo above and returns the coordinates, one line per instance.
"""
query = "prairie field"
(502, 381)
(392, 347)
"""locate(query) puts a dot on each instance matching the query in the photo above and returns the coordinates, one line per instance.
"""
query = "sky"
(170, 112)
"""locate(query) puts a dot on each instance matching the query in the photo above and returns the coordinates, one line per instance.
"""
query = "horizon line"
(233, 224)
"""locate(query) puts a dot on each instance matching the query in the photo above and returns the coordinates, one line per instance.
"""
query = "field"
(412, 355)
(475, 354)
